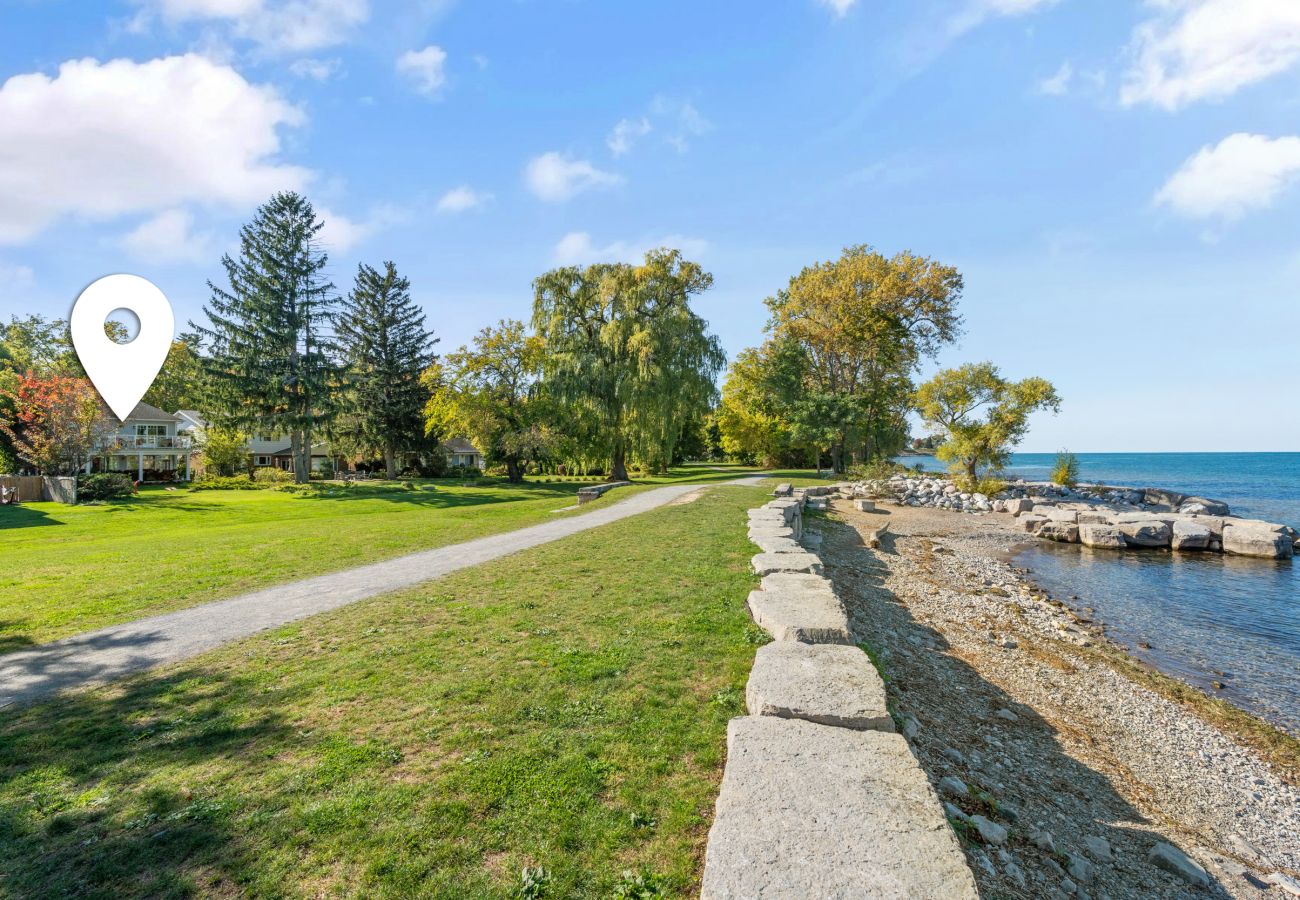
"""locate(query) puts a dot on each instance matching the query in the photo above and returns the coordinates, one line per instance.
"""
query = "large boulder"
(808, 810)
(1031, 522)
(1190, 535)
(1146, 533)
(1170, 500)
(1061, 532)
(1094, 518)
(831, 684)
(1101, 537)
(1250, 540)
(776, 544)
(1200, 506)
(784, 489)
(1018, 505)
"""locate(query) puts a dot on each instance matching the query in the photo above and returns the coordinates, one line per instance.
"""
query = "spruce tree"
(385, 346)
(271, 364)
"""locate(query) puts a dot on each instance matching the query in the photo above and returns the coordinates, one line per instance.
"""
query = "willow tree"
(385, 347)
(981, 415)
(489, 393)
(623, 345)
(864, 323)
(271, 370)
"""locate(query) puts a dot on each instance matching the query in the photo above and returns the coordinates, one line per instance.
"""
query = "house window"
(263, 461)
(151, 431)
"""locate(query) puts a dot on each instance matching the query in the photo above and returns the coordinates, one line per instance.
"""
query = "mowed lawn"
(562, 708)
(68, 569)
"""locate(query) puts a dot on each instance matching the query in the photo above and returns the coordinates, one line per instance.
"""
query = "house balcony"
(149, 443)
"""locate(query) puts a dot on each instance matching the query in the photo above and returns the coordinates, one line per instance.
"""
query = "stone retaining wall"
(820, 797)
(594, 491)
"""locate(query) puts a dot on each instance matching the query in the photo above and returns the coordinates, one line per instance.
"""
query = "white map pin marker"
(122, 372)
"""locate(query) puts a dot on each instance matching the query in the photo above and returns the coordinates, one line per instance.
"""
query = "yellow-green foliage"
(1066, 470)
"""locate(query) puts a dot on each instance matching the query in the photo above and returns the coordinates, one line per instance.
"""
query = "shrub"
(104, 486)
(989, 485)
(326, 469)
(876, 470)
(271, 475)
(222, 483)
(1066, 470)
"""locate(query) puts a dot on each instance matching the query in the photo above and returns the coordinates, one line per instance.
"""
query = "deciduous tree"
(489, 393)
(623, 343)
(58, 423)
(981, 414)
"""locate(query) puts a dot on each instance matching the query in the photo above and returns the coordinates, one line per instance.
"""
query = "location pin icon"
(122, 372)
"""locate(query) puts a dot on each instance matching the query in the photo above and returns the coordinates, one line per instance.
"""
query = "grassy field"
(69, 569)
(563, 708)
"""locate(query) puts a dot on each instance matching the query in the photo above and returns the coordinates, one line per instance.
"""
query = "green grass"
(73, 569)
(564, 708)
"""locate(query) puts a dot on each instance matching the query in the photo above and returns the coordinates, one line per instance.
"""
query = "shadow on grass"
(82, 813)
(24, 517)
(11, 642)
(1018, 772)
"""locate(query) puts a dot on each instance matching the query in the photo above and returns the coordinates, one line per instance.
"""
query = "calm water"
(1203, 614)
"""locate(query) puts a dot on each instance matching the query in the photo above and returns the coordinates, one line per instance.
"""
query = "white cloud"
(976, 12)
(683, 121)
(15, 277)
(839, 7)
(100, 140)
(1208, 49)
(462, 199)
(169, 237)
(316, 69)
(626, 133)
(555, 177)
(1058, 84)
(425, 69)
(577, 248)
(284, 26)
(1241, 173)
(342, 233)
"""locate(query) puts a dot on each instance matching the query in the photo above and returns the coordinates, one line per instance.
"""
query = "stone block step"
(813, 811)
(828, 684)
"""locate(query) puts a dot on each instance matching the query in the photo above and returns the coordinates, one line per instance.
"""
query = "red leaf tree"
(58, 423)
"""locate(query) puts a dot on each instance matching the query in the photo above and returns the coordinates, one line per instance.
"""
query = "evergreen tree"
(385, 346)
(271, 364)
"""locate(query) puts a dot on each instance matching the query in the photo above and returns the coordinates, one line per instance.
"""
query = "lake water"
(1208, 617)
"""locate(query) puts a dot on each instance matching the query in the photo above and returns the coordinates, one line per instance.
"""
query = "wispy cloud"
(555, 177)
(169, 237)
(425, 69)
(1058, 84)
(295, 26)
(976, 12)
(578, 248)
(1209, 49)
(462, 199)
(840, 8)
(626, 133)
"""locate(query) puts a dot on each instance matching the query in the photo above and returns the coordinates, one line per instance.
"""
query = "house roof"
(321, 449)
(194, 416)
(459, 445)
(146, 413)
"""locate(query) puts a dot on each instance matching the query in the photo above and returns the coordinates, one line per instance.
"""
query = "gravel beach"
(1065, 777)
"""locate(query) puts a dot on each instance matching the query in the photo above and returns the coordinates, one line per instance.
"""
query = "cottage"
(461, 453)
(150, 445)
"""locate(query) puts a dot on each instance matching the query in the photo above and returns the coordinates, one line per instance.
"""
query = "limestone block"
(825, 683)
(1247, 540)
(808, 810)
(864, 505)
(783, 489)
(767, 563)
(1061, 532)
(1190, 536)
(777, 544)
(1146, 533)
(1104, 537)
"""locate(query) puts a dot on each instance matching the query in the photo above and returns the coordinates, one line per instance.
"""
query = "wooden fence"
(34, 488)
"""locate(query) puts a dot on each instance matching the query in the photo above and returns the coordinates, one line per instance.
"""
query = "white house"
(460, 452)
(151, 445)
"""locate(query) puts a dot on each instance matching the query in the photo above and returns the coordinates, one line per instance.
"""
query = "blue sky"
(1114, 179)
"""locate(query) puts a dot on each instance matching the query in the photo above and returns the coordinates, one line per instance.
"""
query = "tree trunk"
(972, 472)
(514, 471)
(301, 444)
(390, 460)
(618, 465)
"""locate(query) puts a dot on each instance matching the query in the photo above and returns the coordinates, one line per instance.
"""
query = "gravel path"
(1004, 689)
(99, 656)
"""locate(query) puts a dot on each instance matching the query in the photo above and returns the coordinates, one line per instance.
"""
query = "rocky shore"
(1063, 776)
(1100, 517)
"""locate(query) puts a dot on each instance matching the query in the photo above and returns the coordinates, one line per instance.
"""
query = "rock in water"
(1249, 540)
(1150, 533)
(1106, 537)
(1190, 536)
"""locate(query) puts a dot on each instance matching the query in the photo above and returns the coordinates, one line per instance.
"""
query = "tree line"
(615, 368)
(835, 378)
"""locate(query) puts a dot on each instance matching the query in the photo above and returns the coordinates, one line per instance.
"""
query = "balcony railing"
(150, 443)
